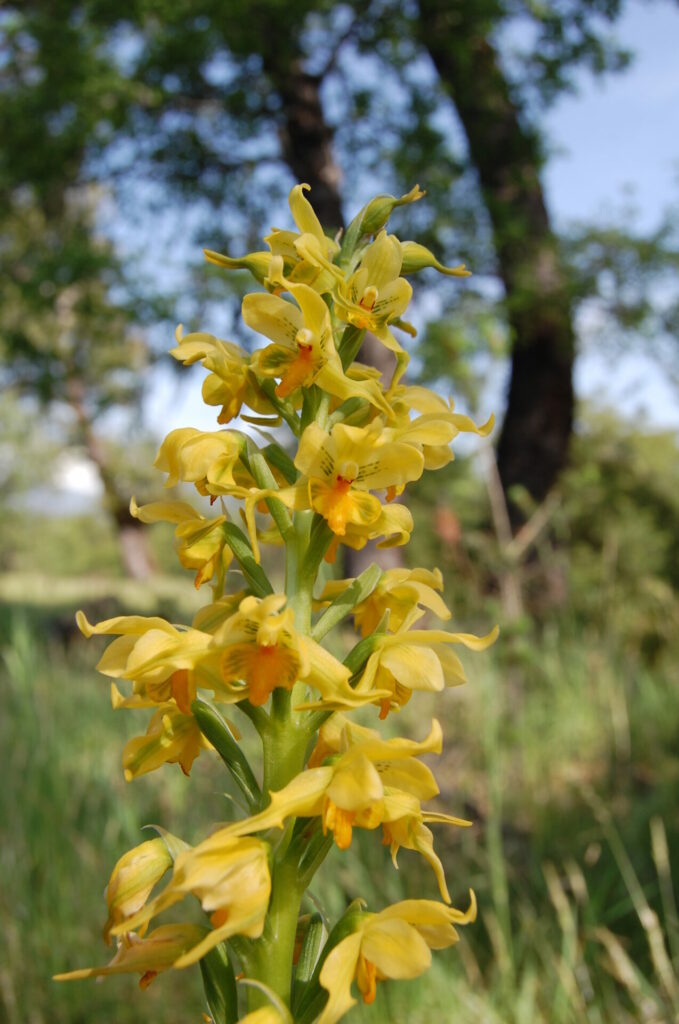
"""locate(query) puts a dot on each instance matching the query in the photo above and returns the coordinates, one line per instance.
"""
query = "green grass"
(564, 754)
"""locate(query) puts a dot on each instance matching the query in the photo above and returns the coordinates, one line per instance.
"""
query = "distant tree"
(215, 101)
(66, 344)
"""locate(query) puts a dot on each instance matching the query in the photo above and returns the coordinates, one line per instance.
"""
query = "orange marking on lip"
(298, 372)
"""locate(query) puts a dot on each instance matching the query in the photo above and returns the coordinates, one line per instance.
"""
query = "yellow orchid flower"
(136, 873)
(432, 433)
(230, 877)
(398, 591)
(163, 662)
(231, 382)
(412, 660)
(394, 943)
(410, 832)
(343, 465)
(259, 649)
(434, 429)
(208, 460)
(374, 295)
(372, 781)
(146, 956)
(304, 351)
(200, 542)
(171, 738)
(283, 244)
(438, 423)
(404, 820)
(394, 524)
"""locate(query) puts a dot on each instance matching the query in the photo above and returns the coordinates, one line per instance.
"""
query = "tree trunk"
(307, 149)
(135, 552)
(533, 445)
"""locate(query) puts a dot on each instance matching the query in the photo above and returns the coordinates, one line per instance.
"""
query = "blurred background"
(546, 137)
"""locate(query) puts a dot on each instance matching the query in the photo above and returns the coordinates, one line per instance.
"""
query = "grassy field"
(564, 754)
(562, 749)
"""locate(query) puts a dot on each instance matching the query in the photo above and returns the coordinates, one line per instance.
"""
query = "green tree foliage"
(225, 104)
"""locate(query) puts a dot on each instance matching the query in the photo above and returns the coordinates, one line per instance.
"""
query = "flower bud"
(378, 211)
(256, 262)
(132, 880)
(417, 257)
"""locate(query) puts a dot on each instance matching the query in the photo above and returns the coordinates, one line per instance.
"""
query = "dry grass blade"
(648, 918)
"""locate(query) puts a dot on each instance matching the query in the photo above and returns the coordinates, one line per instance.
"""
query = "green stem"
(283, 408)
(352, 339)
(267, 481)
(284, 746)
(299, 579)
(271, 958)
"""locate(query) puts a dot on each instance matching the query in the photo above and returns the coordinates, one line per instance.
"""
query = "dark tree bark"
(307, 143)
(533, 445)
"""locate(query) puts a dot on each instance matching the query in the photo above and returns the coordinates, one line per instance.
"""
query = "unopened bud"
(377, 212)
(256, 262)
(132, 880)
(417, 257)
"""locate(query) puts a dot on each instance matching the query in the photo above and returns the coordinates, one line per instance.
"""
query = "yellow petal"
(356, 785)
(303, 214)
(273, 317)
(302, 797)
(164, 512)
(337, 975)
(413, 666)
(396, 948)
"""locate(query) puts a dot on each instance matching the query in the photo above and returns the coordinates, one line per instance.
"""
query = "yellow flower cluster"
(359, 440)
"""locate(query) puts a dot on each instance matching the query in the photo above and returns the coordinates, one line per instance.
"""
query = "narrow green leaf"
(215, 729)
(345, 411)
(308, 958)
(344, 603)
(279, 458)
(358, 655)
(220, 986)
(266, 480)
(352, 339)
(320, 537)
(255, 576)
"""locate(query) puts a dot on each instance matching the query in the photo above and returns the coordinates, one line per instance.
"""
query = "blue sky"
(618, 140)
(622, 131)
